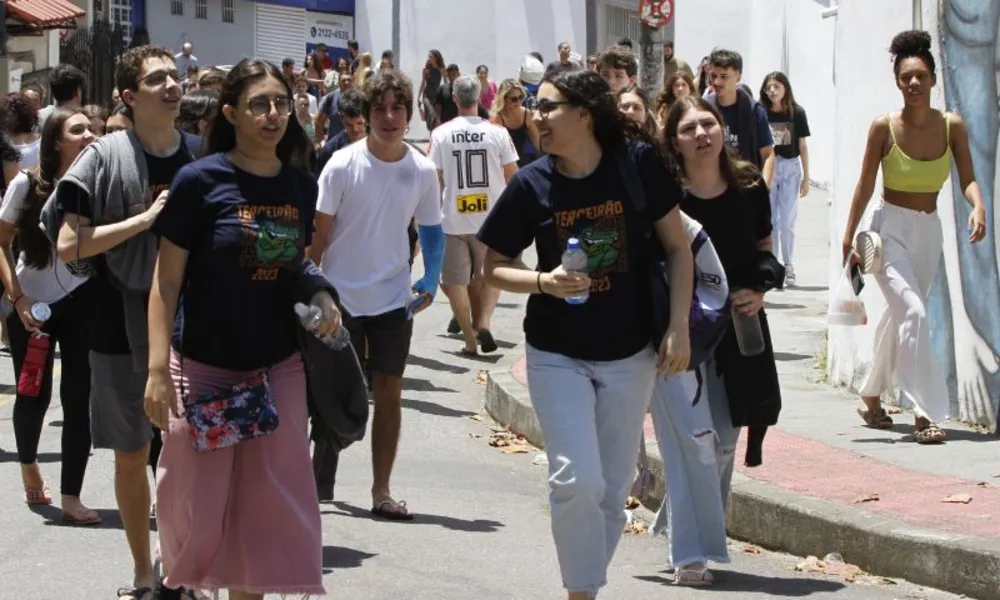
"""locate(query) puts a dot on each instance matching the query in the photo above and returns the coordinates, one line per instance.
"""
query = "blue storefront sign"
(345, 7)
(329, 22)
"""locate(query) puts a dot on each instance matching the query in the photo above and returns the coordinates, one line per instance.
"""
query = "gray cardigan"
(113, 172)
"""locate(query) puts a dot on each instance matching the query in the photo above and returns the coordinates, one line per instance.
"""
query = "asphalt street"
(481, 530)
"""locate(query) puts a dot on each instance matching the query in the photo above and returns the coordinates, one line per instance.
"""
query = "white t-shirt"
(29, 153)
(373, 202)
(54, 282)
(470, 153)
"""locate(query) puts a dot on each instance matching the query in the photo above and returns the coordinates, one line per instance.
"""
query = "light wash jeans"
(698, 444)
(591, 414)
(785, 206)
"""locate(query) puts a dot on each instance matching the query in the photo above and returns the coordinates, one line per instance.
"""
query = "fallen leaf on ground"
(845, 571)
(894, 411)
(751, 549)
(958, 499)
(984, 484)
(636, 528)
(475, 436)
(481, 377)
(866, 498)
(514, 449)
(476, 417)
(509, 443)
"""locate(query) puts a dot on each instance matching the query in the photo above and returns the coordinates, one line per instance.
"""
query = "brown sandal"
(876, 419)
(34, 496)
(930, 434)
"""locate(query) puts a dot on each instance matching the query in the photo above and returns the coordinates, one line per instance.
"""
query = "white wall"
(44, 48)
(704, 24)
(469, 33)
(865, 89)
(215, 42)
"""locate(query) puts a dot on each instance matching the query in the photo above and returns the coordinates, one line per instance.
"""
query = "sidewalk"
(828, 484)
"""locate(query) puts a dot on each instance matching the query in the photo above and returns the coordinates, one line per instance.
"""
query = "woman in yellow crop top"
(915, 148)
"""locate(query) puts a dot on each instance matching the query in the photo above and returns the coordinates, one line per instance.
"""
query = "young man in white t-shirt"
(368, 194)
(475, 159)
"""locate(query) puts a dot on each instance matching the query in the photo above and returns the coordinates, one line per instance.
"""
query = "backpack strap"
(633, 186)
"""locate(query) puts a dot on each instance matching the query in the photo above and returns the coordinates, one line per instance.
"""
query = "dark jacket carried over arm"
(335, 383)
(752, 381)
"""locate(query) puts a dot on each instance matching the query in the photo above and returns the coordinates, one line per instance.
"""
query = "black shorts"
(388, 339)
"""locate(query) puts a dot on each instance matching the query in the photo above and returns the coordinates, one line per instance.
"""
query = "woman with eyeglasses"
(36, 275)
(508, 111)
(233, 234)
(590, 364)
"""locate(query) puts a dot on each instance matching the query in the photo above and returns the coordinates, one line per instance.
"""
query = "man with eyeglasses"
(99, 219)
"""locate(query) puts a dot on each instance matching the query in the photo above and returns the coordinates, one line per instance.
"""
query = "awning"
(45, 13)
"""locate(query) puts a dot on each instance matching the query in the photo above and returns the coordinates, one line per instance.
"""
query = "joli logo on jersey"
(472, 203)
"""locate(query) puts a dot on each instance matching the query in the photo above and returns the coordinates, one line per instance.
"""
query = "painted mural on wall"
(966, 300)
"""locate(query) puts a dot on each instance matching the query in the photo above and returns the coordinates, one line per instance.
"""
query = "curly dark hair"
(129, 69)
(914, 43)
(18, 116)
(8, 153)
(197, 106)
(588, 90)
(388, 80)
(618, 57)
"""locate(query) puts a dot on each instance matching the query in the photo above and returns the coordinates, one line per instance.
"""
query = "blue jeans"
(698, 443)
(591, 414)
(785, 206)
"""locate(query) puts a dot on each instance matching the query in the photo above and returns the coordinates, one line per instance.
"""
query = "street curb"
(777, 519)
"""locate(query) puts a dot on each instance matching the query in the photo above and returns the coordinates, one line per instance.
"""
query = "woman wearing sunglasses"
(508, 111)
(591, 367)
(233, 235)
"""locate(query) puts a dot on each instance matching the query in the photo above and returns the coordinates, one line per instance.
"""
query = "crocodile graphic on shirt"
(276, 242)
(601, 246)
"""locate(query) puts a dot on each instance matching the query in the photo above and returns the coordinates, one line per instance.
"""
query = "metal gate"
(621, 22)
(95, 51)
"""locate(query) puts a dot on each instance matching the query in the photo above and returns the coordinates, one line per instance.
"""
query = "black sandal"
(135, 593)
(486, 341)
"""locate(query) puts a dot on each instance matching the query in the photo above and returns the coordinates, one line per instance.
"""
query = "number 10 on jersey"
(471, 168)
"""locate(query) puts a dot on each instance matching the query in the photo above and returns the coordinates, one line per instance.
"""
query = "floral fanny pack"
(222, 419)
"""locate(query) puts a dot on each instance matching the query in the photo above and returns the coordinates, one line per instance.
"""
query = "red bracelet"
(16, 300)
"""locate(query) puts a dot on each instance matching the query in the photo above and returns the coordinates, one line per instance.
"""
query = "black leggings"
(69, 327)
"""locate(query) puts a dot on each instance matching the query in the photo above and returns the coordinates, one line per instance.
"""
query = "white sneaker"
(789, 275)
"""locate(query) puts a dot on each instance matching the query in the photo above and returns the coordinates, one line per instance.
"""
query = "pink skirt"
(244, 517)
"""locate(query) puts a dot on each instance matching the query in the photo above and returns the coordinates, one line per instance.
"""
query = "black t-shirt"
(107, 332)
(543, 206)
(787, 131)
(735, 222)
(337, 142)
(556, 67)
(449, 110)
(246, 236)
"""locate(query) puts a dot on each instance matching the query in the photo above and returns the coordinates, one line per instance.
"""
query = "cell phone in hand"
(857, 279)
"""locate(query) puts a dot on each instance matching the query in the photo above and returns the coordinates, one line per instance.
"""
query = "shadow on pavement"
(431, 408)
(808, 288)
(452, 523)
(483, 358)
(435, 365)
(43, 457)
(904, 429)
(110, 519)
(500, 343)
(780, 306)
(789, 356)
(424, 385)
(337, 557)
(735, 581)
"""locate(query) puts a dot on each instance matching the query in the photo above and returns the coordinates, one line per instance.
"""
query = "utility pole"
(654, 15)
(4, 61)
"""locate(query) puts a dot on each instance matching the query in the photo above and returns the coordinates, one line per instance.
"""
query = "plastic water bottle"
(41, 312)
(574, 260)
(749, 336)
(312, 316)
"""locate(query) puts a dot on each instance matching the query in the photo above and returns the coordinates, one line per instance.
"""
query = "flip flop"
(393, 514)
(486, 341)
(38, 497)
(135, 593)
(688, 577)
(82, 516)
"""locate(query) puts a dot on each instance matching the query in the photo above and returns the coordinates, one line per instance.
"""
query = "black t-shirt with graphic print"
(787, 131)
(107, 333)
(246, 236)
(543, 206)
(735, 222)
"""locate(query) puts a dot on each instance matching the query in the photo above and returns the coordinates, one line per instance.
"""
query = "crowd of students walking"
(165, 261)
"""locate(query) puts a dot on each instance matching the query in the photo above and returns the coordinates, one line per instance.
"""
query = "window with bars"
(201, 9)
(120, 12)
(228, 12)
(177, 8)
(621, 22)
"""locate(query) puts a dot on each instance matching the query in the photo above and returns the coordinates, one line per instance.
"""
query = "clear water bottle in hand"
(749, 335)
(312, 316)
(574, 260)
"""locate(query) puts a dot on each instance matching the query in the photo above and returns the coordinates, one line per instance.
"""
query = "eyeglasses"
(261, 105)
(515, 99)
(158, 78)
(546, 106)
